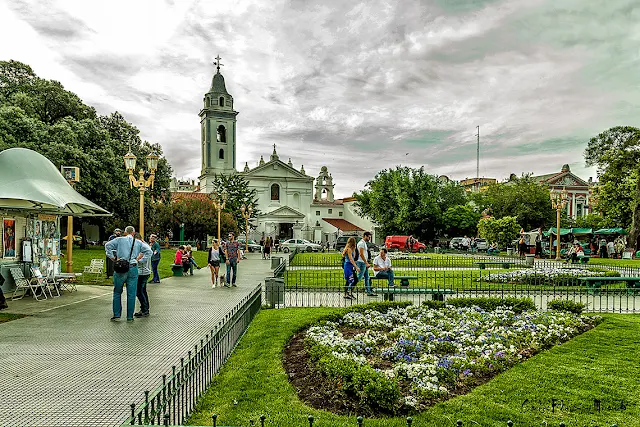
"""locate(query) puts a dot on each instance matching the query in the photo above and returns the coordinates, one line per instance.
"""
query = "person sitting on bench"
(574, 252)
(382, 267)
(493, 249)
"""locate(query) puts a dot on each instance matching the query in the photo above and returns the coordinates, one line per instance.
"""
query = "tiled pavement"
(71, 366)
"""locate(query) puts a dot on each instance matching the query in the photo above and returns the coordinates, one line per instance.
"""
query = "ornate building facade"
(580, 192)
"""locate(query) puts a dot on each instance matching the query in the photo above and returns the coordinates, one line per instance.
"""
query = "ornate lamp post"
(246, 214)
(219, 201)
(558, 202)
(142, 183)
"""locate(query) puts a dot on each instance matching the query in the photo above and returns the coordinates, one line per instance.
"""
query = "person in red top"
(178, 260)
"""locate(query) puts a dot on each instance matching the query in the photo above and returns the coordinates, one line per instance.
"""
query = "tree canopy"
(238, 193)
(409, 201)
(501, 231)
(41, 115)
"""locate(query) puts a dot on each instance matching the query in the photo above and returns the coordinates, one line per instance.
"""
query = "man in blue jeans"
(126, 247)
(363, 263)
(382, 267)
(155, 258)
(232, 254)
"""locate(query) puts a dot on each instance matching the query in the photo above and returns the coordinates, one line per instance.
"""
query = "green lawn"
(8, 317)
(83, 257)
(423, 260)
(633, 263)
(600, 364)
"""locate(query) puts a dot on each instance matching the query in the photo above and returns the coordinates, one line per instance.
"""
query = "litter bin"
(274, 289)
(530, 258)
(509, 251)
(275, 261)
(436, 250)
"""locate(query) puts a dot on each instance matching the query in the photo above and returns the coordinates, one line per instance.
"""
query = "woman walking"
(351, 270)
(267, 248)
(214, 262)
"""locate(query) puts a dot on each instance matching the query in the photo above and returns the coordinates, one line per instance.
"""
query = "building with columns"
(291, 203)
(580, 192)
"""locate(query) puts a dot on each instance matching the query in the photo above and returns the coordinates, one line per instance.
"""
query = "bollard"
(262, 418)
(562, 425)
(359, 419)
(310, 418)
(459, 423)
(510, 423)
(214, 417)
(166, 419)
(133, 414)
(409, 421)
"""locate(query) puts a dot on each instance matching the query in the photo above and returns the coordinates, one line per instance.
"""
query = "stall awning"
(342, 224)
(30, 182)
(581, 231)
(563, 231)
(611, 231)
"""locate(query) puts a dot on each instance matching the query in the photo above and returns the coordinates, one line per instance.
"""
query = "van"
(399, 243)
(341, 242)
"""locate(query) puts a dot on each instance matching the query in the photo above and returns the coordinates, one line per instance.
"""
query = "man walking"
(363, 263)
(144, 271)
(155, 258)
(382, 267)
(134, 251)
(116, 234)
(231, 252)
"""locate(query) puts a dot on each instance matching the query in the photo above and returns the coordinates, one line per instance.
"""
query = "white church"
(291, 203)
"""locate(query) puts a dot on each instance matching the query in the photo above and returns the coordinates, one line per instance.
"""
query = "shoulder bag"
(122, 265)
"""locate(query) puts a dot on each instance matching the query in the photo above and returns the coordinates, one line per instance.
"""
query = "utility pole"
(478, 162)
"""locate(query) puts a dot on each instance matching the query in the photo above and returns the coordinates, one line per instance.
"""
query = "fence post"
(459, 423)
(409, 421)
(310, 418)
(262, 418)
(133, 414)
(214, 418)
(510, 423)
(359, 419)
(166, 419)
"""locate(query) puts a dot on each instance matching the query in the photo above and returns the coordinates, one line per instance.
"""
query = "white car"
(482, 245)
(301, 245)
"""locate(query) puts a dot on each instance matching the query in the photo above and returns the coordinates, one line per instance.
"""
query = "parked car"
(400, 243)
(456, 243)
(253, 246)
(372, 248)
(300, 244)
(482, 244)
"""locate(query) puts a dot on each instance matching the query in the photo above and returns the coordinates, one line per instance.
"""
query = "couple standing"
(356, 266)
(229, 254)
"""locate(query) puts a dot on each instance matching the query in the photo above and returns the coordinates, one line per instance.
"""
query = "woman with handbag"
(215, 257)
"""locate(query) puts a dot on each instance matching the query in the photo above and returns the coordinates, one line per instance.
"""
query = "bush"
(381, 306)
(517, 305)
(566, 305)
(433, 304)
(611, 273)
(376, 389)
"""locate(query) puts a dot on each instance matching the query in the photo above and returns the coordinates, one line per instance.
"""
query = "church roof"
(342, 224)
(186, 195)
(217, 84)
(262, 167)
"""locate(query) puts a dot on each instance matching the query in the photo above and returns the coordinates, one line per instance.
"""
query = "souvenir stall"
(33, 197)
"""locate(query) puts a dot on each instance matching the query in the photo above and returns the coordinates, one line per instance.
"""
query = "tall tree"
(461, 220)
(502, 231)
(523, 198)
(238, 193)
(409, 201)
(616, 153)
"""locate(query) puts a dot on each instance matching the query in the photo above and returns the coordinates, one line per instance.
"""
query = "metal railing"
(175, 398)
(319, 281)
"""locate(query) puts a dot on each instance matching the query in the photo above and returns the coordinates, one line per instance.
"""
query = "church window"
(275, 192)
(221, 134)
(330, 211)
(317, 213)
(339, 213)
(222, 101)
(221, 154)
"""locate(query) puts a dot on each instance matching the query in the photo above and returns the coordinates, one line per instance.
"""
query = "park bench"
(593, 284)
(504, 264)
(404, 280)
(388, 294)
(177, 270)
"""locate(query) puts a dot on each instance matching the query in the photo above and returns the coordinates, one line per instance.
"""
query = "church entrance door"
(286, 231)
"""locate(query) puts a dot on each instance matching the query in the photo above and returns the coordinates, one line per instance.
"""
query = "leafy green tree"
(591, 220)
(461, 220)
(616, 153)
(409, 201)
(523, 198)
(502, 231)
(238, 193)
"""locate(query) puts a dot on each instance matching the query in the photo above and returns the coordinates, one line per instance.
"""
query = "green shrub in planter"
(518, 305)
(566, 305)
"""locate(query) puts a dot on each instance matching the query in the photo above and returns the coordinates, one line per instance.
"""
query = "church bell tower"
(217, 131)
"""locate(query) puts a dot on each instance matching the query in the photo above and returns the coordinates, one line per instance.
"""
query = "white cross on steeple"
(217, 63)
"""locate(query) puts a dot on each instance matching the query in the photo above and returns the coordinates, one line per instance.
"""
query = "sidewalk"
(68, 365)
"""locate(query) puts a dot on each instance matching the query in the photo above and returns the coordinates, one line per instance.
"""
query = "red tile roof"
(181, 195)
(342, 224)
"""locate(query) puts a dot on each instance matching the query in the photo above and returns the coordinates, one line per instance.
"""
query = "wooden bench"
(581, 260)
(593, 284)
(504, 264)
(404, 280)
(388, 294)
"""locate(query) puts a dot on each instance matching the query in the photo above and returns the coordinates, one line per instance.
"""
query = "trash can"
(274, 290)
(530, 258)
(509, 251)
(275, 261)
(436, 250)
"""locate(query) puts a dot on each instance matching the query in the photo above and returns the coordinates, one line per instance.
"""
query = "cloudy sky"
(358, 87)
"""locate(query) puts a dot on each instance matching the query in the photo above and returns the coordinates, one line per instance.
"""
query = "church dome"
(217, 84)
(565, 168)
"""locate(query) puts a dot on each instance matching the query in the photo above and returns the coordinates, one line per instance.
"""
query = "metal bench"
(177, 270)
(388, 294)
(483, 264)
(593, 284)
(404, 280)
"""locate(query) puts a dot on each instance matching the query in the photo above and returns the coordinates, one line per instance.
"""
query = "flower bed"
(407, 359)
(545, 275)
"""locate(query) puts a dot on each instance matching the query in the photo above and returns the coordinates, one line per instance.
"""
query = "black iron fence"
(175, 398)
(313, 280)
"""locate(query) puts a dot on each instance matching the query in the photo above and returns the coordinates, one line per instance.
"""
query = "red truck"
(404, 243)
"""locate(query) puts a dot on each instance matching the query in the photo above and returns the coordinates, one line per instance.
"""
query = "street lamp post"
(142, 183)
(219, 201)
(558, 202)
(246, 214)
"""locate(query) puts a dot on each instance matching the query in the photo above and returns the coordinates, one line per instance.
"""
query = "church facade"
(291, 203)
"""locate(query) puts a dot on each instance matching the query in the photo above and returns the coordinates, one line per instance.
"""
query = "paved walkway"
(70, 366)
